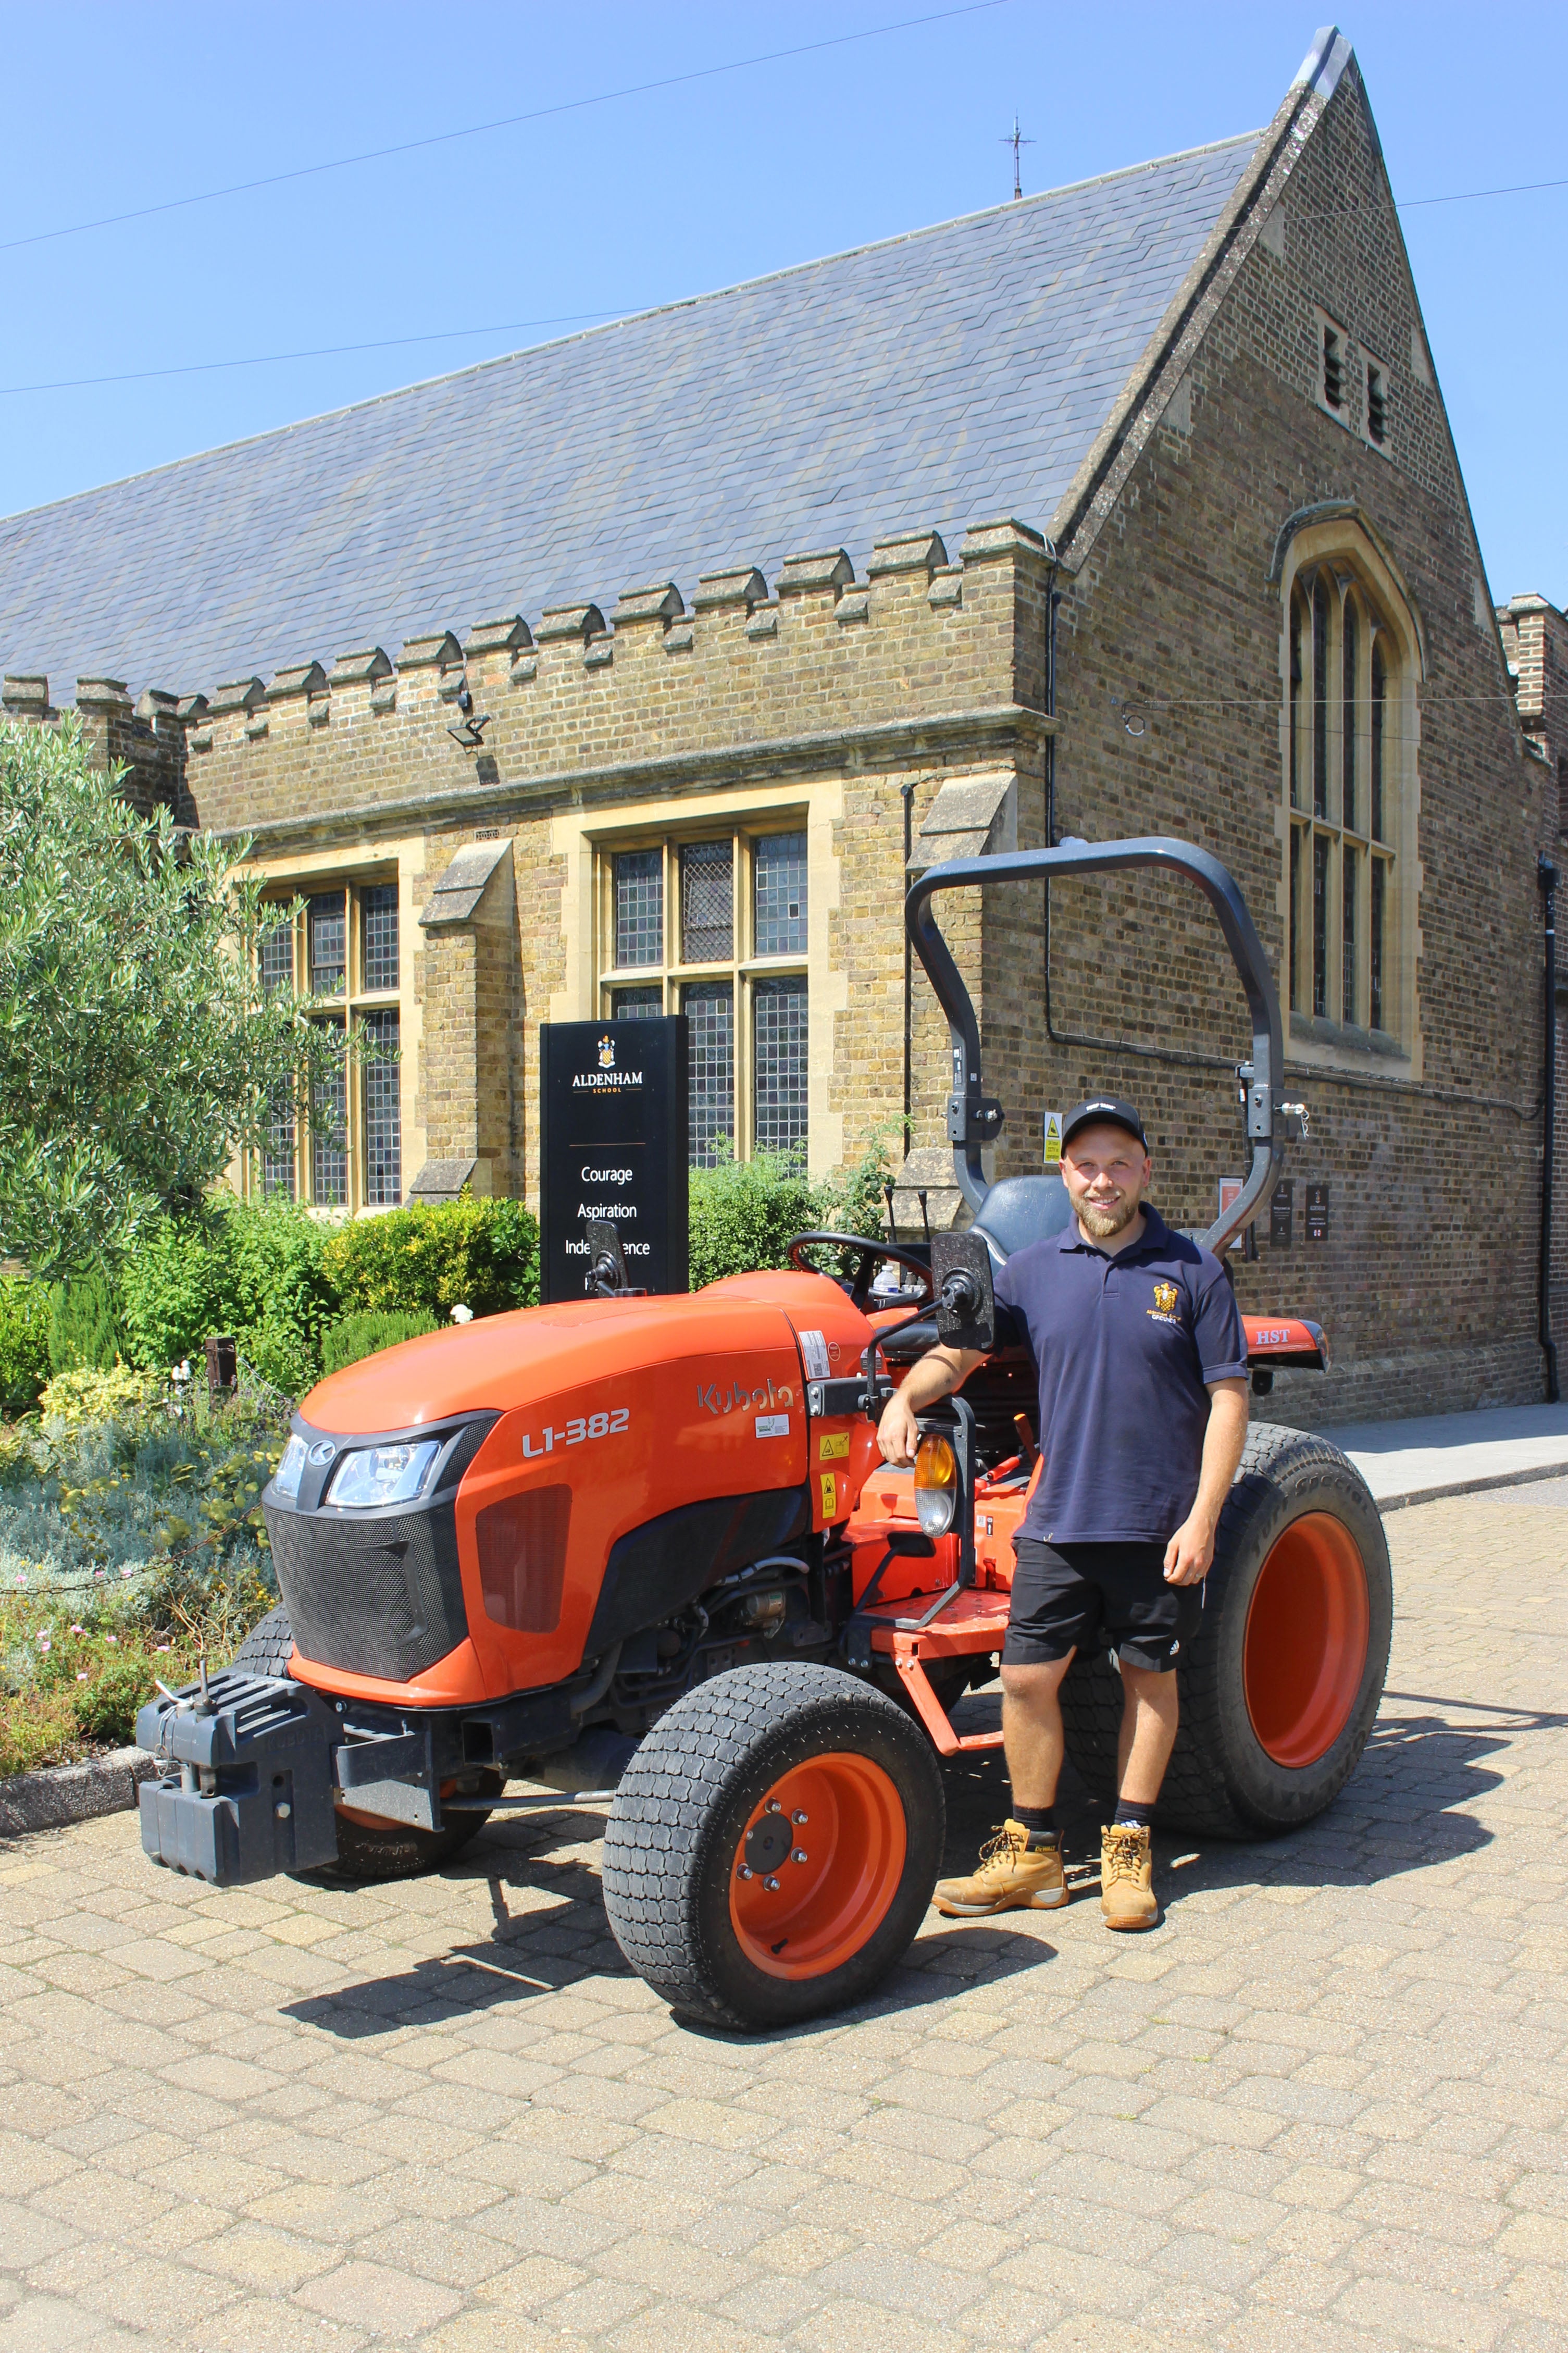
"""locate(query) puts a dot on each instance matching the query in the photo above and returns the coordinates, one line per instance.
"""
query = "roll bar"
(974, 1119)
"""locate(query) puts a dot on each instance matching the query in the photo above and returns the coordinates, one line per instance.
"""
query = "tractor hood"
(500, 1362)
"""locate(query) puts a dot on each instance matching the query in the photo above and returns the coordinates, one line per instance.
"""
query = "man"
(1143, 1379)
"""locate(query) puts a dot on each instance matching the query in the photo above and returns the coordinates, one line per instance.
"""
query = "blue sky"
(618, 206)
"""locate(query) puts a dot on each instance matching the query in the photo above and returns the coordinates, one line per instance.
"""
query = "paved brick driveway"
(1322, 2107)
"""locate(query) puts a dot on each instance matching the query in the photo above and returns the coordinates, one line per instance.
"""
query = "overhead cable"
(502, 122)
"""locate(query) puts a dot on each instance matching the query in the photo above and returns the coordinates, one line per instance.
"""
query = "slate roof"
(938, 379)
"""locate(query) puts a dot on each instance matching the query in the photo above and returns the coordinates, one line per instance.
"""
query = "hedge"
(357, 1336)
(481, 1254)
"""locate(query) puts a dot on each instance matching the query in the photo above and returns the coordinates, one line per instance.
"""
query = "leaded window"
(1341, 658)
(639, 908)
(714, 924)
(382, 1114)
(330, 1137)
(344, 941)
(378, 917)
(780, 1065)
(278, 1173)
(709, 1009)
(326, 930)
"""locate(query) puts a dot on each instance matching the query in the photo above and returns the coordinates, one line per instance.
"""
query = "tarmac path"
(1323, 2105)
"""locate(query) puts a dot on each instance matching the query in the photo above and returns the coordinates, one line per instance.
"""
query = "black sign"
(1317, 1213)
(1282, 1214)
(613, 1122)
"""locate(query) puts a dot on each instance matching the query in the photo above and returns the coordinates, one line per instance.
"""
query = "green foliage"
(24, 1341)
(130, 1540)
(477, 1253)
(138, 1048)
(852, 1201)
(84, 1323)
(106, 1711)
(366, 1334)
(253, 1269)
(744, 1214)
(89, 1395)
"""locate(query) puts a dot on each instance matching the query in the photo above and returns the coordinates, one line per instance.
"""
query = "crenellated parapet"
(147, 739)
(746, 662)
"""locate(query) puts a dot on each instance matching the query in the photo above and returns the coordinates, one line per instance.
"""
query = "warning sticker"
(814, 1354)
(833, 1447)
(1053, 1139)
(829, 1494)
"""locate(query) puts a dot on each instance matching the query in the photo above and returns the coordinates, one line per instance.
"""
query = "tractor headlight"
(287, 1476)
(936, 1484)
(371, 1475)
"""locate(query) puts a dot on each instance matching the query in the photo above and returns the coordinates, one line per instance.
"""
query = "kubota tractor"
(644, 1551)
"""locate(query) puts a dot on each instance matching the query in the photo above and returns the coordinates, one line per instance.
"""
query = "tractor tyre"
(369, 1847)
(1280, 1688)
(269, 1647)
(773, 1845)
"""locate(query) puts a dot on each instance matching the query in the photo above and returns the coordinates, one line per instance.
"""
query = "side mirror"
(965, 1301)
(606, 1277)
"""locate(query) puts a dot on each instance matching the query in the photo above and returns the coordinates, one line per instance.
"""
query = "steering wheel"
(869, 1255)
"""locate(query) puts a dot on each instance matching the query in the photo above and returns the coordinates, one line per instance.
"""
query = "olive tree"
(138, 1047)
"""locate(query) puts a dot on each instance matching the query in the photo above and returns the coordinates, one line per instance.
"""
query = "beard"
(1104, 1220)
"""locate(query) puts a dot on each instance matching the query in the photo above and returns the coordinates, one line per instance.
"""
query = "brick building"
(1535, 641)
(1188, 409)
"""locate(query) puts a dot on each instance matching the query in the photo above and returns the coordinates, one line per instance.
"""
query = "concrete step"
(1455, 1453)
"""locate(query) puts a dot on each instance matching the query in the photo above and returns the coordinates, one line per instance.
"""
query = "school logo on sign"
(607, 1053)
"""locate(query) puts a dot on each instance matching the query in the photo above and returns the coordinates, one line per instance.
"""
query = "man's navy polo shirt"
(1124, 1344)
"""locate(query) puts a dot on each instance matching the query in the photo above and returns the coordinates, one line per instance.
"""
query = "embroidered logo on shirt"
(1166, 1297)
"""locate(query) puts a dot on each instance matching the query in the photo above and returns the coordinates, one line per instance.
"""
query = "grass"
(131, 1542)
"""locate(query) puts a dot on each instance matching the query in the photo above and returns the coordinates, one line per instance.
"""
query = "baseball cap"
(1110, 1109)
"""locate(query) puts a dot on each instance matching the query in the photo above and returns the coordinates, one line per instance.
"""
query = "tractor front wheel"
(773, 1845)
(1280, 1688)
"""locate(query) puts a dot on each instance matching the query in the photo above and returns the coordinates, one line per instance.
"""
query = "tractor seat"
(1020, 1211)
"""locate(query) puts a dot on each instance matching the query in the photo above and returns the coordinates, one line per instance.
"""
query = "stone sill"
(1372, 1049)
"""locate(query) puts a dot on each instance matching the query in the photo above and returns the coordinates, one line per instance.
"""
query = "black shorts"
(1083, 1596)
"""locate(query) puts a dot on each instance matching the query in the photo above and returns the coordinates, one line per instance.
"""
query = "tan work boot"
(1127, 1876)
(1013, 1876)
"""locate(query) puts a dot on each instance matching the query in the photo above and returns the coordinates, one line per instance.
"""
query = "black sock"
(1131, 1813)
(1040, 1822)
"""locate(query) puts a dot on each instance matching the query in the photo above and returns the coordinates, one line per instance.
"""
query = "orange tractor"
(643, 1551)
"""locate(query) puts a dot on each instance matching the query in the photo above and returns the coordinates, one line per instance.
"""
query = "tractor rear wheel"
(773, 1845)
(1281, 1687)
(370, 1847)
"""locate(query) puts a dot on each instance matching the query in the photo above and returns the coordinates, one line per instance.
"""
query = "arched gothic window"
(1350, 652)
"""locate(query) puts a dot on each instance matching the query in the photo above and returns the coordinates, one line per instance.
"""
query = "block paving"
(1323, 2102)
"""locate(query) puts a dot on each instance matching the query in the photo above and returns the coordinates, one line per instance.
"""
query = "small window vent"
(1334, 369)
(1376, 405)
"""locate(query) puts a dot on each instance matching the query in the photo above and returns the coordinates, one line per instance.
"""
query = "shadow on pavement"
(1403, 1808)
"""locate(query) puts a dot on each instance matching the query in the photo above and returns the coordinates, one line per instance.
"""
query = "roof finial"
(1016, 140)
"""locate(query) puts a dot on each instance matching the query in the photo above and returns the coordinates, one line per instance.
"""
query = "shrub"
(483, 1254)
(255, 1269)
(852, 1201)
(87, 1398)
(130, 1540)
(365, 1335)
(84, 1323)
(139, 1044)
(24, 1341)
(106, 1710)
(742, 1215)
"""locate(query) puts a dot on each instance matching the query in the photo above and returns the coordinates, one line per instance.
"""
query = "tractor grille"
(377, 1596)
